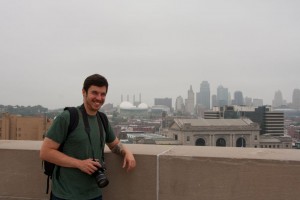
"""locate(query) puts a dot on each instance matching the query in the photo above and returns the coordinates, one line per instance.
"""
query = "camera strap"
(88, 130)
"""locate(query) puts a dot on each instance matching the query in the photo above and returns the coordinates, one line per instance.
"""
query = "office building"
(248, 101)
(258, 102)
(190, 102)
(271, 122)
(179, 105)
(278, 99)
(296, 99)
(16, 127)
(163, 102)
(203, 97)
(214, 101)
(222, 96)
(238, 98)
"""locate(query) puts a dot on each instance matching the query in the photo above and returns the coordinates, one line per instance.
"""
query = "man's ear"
(83, 92)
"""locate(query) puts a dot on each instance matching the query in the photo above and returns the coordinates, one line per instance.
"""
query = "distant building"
(215, 132)
(238, 98)
(179, 105)
(203, 97)
(157, 111)
(214, 101)
(248, 101)
(275, 142)
(222, 96)
(108, 108)
(147, 138)
(258, 102)
(296, 99)
(127, 109)
(278, 99)
(163, 102)
(190, 101)
(271, 122)
(16, 127)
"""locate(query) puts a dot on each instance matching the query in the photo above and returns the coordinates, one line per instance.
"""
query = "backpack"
(74, 119)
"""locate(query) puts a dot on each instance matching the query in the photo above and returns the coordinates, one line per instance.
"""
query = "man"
(82, 151)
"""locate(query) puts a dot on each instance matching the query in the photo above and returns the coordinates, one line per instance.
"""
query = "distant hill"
(37, 110)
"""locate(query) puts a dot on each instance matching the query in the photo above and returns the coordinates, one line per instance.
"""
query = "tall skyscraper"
(203, 97)
(296, 99)
(278, 100)
(214, 101)
(222, 96)
(179, 104)
(190, 101)
(238, 98)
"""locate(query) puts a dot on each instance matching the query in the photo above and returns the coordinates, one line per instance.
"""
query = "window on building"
(278, 146)
(200, 142)
(255, 146)
(270, 146)
(176, 137)
(287, 146)
(188, 138)
(221, 142)
(241, 142)
(255, 137)
(261, 146)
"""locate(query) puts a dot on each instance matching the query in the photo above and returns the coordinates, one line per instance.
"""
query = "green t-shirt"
(74, 184)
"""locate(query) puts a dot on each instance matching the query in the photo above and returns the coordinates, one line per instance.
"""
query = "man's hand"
(129, 161)
(118, 148)
(88, 166)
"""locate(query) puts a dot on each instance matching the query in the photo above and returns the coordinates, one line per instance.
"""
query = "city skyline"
(154, 48)
(139, 98)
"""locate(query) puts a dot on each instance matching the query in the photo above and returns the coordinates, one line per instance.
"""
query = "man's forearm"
(119, 149)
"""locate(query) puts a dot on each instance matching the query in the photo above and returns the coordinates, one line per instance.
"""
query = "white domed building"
(127, 109)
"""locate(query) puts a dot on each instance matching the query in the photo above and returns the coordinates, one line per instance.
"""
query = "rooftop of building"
(214, 122)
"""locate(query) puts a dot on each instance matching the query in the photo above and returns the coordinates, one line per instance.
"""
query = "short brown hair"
(95, 79)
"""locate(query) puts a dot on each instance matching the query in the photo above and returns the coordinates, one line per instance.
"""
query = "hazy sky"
(157, 48)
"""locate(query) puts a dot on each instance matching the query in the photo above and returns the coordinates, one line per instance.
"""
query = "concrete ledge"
(167, 173)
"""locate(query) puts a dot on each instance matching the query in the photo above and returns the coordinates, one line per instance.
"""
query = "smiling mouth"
(98, 103)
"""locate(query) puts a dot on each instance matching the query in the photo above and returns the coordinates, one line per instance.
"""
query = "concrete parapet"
(167, 173)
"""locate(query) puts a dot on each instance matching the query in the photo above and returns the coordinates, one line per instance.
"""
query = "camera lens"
(101, 179)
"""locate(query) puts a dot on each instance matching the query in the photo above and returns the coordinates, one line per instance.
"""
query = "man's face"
(94, 98)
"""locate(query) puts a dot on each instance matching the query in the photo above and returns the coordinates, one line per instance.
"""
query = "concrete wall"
(167, 173)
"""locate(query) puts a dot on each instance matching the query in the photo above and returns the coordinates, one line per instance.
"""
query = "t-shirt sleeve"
(110, 136)
(59, 128)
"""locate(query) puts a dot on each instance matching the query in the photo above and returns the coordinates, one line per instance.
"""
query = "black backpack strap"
(102, 123)
(104, 120)
(74, 119)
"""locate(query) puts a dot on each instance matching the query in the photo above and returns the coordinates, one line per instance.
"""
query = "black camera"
(100, 177)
